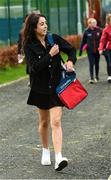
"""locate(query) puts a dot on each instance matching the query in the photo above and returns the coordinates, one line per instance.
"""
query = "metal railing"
(61, 15)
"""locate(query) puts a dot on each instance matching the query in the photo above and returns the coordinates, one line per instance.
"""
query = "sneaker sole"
(91, 82)
(46, 163)
(109, 81)
(62, 165)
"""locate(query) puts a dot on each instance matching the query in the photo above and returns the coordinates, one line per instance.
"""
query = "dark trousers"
(107, 55)
(94, 62)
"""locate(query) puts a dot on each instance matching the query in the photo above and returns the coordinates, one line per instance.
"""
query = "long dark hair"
(29, 28)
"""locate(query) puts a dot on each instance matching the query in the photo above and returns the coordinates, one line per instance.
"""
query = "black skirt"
(43, 101)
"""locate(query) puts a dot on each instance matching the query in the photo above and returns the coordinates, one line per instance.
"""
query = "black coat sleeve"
(65, 47)
(36, 61)
(83, 41)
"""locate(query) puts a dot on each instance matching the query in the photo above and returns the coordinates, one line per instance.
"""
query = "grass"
(12, 73)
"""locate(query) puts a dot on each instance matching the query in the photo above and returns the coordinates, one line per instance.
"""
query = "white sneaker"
(91, 81)
(109, 79)
(61, 164)
(45, 160)
(95, 80)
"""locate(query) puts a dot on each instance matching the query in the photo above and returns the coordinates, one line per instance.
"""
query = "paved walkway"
(86, 132)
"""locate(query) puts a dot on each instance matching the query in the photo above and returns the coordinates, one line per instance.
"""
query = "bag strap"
(51, 42)
(50, 39)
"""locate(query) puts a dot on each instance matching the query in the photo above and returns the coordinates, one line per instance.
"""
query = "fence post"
(58, 9)
(79, 25)
(29, 6)
(48, 12)
(68, 15)
(9, 23)
(24, 8)
(37, 4)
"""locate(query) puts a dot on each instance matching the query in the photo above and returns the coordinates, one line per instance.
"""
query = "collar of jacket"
(37, 42)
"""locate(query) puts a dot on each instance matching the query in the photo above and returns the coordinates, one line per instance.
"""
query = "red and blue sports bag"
(70, 90)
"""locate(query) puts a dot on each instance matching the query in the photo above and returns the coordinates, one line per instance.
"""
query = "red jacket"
(105, 41)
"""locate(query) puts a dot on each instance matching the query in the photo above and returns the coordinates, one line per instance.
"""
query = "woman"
(105, 45)
(44, 62)
(91, 38)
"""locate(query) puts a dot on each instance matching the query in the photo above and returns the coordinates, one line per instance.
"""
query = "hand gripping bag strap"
(51, 42)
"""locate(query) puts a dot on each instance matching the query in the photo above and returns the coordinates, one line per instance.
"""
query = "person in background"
(44, 63)
(105, 45)
(91, 38)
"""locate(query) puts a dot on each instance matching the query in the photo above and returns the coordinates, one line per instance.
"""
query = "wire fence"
(61, 16)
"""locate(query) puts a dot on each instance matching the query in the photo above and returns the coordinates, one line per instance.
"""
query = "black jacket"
(92, 39)
(45, 71)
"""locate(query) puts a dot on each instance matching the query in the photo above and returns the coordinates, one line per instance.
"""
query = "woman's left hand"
(69, 66)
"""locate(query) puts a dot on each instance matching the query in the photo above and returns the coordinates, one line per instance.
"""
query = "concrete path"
(86, 133)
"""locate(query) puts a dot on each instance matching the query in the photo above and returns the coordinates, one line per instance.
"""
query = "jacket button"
(49, 66)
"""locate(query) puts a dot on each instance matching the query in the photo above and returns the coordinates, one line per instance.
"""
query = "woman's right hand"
(54, 50)
(20, 58)
(100, 52)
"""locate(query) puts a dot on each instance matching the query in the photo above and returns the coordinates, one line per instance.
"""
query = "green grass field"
(12, 73)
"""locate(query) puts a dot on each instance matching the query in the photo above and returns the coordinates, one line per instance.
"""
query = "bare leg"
(55, 120)
(44, 127)
(44, 134)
